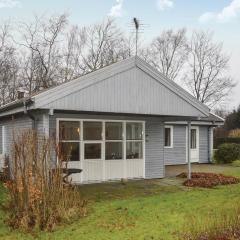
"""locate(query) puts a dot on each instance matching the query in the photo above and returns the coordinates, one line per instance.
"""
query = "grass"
(144, 210)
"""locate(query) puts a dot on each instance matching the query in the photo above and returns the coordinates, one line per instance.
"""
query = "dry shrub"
(224, 225)
(208, 180)
(38, 198)
(5, 174)
(235, 133)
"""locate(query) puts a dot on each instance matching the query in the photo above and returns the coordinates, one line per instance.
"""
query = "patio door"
(92, 158)
(69, 132)
(194, 144)
(92, 163)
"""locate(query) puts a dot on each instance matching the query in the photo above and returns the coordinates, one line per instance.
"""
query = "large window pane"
(92, 151)
(92, 130)
(70, 151)
(134, 150)
(69, 130)
(167, 137)
(193, 138)
(113, 150)
(134, 131)
(113, 130)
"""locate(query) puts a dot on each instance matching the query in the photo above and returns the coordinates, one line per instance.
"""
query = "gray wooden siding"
(154, 162)
(132, 91)
(204, 144)
(176, 154)
(14, 128)
(154, 165)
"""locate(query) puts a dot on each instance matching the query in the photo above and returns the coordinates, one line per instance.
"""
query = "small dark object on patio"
(68, 172)
(208, 180)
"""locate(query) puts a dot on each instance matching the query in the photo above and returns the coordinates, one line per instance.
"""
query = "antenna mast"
(136, 25)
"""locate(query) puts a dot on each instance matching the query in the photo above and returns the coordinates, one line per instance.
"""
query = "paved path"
(172, 171)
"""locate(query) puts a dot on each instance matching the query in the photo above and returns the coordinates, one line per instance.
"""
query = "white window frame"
(171, 136)
(82, 142)
(135, 140)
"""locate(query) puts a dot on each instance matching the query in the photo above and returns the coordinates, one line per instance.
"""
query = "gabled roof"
(46, 98)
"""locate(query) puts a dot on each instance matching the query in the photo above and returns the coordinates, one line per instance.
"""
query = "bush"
(227, 153)
(220, 140)
(38, 198)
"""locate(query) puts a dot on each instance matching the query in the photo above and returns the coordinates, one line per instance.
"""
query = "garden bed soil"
(208, 180)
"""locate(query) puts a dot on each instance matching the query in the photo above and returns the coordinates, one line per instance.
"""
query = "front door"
(194, 144)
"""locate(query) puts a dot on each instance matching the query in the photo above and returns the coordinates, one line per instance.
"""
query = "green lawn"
(150, 209)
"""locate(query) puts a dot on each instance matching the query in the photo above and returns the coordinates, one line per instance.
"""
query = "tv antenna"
(138, 27)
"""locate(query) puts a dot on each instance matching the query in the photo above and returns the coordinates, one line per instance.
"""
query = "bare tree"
(168, 52)
(102, 44)
(42, 57)
(207, 73)
(90, 48)
(72, 65)
(48, 53)
(9, 65)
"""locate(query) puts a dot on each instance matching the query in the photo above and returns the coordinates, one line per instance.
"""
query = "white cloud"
(117, 9)
(163, 4)
(9, 3)
(225, 15)
(206, 17)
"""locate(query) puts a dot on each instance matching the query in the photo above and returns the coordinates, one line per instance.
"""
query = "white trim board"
(193, 123)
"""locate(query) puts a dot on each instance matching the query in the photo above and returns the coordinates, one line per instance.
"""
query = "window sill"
(168, 146)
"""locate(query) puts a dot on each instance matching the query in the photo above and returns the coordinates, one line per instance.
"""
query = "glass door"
(194, 144)
(92, 163)
(70, 145)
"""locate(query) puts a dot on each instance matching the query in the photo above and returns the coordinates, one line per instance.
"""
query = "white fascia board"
(12, 111)
(195, 123)
(215, 115)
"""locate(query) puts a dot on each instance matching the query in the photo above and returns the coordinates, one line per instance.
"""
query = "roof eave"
(25, 102)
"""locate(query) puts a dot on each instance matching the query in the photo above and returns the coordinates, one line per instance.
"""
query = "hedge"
(219, 141)
(227, 153)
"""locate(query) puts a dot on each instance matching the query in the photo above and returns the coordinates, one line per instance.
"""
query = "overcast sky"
(220, 16)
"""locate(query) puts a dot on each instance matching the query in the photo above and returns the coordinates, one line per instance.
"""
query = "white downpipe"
(189, 150)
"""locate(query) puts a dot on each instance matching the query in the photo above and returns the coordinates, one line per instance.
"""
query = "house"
(126, 120)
